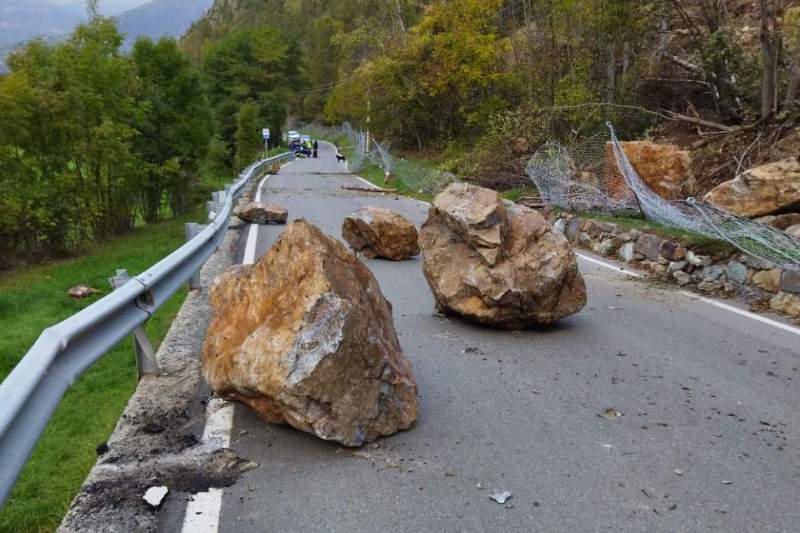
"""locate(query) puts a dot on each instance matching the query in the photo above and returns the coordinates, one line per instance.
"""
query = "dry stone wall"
(735, 275)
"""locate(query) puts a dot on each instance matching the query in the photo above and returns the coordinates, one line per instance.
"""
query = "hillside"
(161, 18)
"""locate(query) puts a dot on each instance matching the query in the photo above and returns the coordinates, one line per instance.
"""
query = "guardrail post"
(146, 361)
(192, 231)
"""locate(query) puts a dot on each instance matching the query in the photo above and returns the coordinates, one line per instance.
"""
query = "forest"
(94, 141)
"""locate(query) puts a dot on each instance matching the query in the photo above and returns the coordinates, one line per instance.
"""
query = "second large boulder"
(378, 232)
(763, 190)
(305, 337)
(497, 263)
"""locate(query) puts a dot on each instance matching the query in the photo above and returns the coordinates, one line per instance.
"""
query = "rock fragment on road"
(497, 263)
(305, 337)
(379, 232)
(260, 213)
(500, 496)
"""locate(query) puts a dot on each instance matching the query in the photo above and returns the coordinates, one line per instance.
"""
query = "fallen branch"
(701, 122)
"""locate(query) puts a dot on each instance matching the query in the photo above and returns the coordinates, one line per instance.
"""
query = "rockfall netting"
(597, 175)
(418, 177)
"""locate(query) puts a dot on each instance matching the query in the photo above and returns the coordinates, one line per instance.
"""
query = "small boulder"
(260, 213)
(763, 190)
(378, 232)
(497, 263)
(305, 337)
(673, 251)
(784, 302)
(649, 246)
(768, 280)
(80, 292)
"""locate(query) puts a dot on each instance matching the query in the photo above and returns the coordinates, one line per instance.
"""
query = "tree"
(175, 127)
(248, 134)
(255, 64)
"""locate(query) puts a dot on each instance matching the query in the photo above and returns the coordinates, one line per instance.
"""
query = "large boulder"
(378, 232)
(305, 337)
(260, 213)
(665, 168)
(497, 263)
(763, 190)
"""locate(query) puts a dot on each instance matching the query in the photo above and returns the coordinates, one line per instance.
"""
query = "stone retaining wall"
(738, 275)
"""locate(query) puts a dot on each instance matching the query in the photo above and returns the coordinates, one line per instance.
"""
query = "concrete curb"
(157, 439)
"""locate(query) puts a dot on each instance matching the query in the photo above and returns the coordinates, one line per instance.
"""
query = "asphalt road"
(708, 439)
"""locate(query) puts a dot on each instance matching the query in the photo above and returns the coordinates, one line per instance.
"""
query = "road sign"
(265, 133)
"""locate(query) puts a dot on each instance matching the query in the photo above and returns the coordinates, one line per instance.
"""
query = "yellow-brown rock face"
(497, 263)
(305, 337)
(378, 232)
(665, 168)
(763, 190)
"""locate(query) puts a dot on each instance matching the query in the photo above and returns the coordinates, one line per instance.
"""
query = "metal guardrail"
(32, 391)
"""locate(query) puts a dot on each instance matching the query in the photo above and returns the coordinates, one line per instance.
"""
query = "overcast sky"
(107, 7)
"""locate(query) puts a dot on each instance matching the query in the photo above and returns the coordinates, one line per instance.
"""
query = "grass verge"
(35, 298)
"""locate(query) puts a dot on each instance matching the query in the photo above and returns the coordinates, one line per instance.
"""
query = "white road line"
(204, 509)
(742, 312)
(610, 266)
(693, 296)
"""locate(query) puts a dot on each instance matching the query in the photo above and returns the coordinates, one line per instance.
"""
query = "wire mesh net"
(597, 175)
(418, 177)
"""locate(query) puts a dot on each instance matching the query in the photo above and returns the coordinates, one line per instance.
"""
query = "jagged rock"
(478, 215)
(769, 280)
(496, 263)
(378, 232)
(649, 246)
(762, 190)
(665, 168)
(260, 213)
(305, 337)
(784, 302)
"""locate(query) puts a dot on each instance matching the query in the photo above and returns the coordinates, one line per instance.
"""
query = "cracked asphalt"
(707, 440)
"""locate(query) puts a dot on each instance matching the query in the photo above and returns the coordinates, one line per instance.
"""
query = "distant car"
(293, 136)
(305, 139)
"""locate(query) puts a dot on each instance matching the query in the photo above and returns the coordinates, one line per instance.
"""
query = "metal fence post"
(146, 361)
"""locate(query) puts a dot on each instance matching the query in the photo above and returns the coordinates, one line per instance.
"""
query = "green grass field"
(34, 298)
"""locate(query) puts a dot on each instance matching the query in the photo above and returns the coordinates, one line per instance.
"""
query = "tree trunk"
(769, 53)
(794, 83)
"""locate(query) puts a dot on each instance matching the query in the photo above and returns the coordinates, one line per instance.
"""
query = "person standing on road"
(316, 148)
